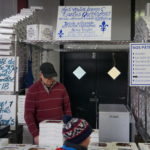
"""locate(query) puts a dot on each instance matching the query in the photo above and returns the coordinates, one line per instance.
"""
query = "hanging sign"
(84, 23)
(140, 64)
(8, 73)
(8, 110)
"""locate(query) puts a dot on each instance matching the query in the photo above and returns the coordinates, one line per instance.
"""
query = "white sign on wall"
(8, 66)
(84, 23)
(140, 64)
(21, 109)
(8, 110)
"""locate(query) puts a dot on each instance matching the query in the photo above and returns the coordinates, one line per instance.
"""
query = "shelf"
(95, 45)
(71, 46)
(45, 45)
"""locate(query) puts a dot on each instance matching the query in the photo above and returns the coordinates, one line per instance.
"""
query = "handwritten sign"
(8, 73)
(8, 110)
(21, 105)
(140, 64)
(84, 23)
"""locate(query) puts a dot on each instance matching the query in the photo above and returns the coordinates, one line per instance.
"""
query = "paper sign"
(8, 77)
(140, 64)
(8, 110)
(21, 105)
(84, 23)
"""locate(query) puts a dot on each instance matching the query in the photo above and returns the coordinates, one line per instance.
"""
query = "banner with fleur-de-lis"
(84, 23)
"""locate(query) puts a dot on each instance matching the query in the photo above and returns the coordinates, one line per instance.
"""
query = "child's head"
(76, 131)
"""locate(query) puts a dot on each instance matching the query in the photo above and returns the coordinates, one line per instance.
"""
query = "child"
(76, 133)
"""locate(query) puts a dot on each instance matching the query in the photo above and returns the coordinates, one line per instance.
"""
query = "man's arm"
(30, 113)
(67, 107)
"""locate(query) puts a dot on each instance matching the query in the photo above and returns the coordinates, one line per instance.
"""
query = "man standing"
(45, 99)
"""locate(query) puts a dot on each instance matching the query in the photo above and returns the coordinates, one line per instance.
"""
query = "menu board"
(84, 23)
(140, 64)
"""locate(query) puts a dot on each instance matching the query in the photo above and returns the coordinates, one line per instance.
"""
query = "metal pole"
(132, 19)
(15, 69)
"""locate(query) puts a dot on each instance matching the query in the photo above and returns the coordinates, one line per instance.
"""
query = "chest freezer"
(144, 146)
(114, 120)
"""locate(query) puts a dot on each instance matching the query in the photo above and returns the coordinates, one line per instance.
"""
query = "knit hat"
(75, 130)
(48, 70)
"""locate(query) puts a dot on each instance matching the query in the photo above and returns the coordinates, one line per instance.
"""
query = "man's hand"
(36, 140)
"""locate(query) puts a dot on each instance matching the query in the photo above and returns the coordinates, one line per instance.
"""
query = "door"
(95, 86)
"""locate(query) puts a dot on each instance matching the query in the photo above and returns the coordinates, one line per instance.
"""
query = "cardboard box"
(32, 32)
(51, 133)
(45, 32)
(39, 32)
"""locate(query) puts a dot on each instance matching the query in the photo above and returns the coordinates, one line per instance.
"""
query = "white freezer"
(114, 120)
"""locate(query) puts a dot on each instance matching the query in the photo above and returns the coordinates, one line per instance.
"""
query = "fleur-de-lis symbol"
(60, 33)
(103, 26)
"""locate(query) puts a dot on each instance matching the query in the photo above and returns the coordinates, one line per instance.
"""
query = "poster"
(8, 73)
(84, 23)
(140, 64)
(8, 110)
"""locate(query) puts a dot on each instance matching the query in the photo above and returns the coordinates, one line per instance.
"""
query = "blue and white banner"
(84, 23)
(140, 64)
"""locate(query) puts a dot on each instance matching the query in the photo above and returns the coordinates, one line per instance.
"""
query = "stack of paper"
(15, 25)
(51, 133)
